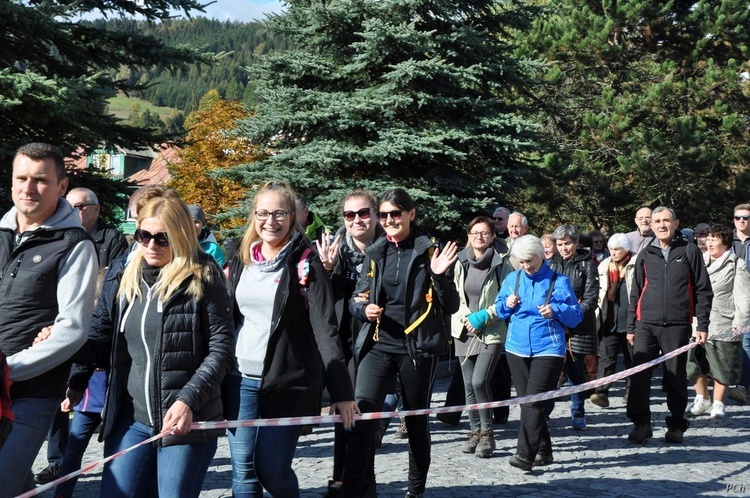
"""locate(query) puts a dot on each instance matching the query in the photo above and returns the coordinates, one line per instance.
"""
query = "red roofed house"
(141, 167)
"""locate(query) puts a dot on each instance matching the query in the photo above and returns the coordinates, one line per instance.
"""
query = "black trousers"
(57, 438)
(375, 377)
(500, 386)
(610, 347)
(341, 437)
(455, 395)
(650, 340)
(533, 376)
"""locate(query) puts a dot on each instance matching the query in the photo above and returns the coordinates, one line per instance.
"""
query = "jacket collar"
(377, 249)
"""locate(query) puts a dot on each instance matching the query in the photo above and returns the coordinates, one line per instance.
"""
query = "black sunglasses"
(364, 214)
(741, 217)
(395, 215)
(83, 205)
(144, 237)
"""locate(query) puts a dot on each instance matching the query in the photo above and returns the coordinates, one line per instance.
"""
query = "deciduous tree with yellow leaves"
(211, 146)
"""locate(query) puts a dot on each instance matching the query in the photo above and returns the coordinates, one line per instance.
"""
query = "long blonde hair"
(288, 198)
(173, 213)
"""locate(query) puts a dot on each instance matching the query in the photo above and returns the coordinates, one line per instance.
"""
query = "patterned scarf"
(617, 273)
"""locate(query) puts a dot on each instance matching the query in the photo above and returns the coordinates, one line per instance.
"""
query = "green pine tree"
(56, 74)
(411, 93)
(647, 103)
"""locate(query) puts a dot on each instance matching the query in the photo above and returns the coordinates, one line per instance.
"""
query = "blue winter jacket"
(530, 334)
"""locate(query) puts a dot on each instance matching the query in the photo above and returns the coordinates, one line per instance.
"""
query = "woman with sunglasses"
(410, 289)
(344, 260)
(164, 314)
(479, 334)
(283, 309)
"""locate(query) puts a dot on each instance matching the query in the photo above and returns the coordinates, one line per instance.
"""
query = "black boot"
(640, 433)
(675, 430)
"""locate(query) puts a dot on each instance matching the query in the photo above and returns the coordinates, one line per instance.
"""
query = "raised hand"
(445, 259)
(328, 251)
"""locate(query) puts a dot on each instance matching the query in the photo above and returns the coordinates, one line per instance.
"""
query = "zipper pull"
(18, 264)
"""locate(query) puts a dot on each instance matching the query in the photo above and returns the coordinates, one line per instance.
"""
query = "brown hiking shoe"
(600, 399)
(470, 446)
(640, 433)
(486, 444)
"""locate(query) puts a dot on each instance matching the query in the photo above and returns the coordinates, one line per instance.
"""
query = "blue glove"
(478, 319)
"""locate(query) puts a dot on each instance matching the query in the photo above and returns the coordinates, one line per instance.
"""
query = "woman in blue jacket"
(539, 304)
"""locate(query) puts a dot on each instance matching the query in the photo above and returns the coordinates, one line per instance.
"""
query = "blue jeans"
(171, 471)
(575, 368)
(745, 379)
(33, 420)
(82, 427)
(261, 456)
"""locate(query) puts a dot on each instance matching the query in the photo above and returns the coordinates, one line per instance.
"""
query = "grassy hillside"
(121, 105)
(240, 43)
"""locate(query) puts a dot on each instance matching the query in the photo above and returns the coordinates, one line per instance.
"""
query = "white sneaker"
(699, 405)
(718, 410)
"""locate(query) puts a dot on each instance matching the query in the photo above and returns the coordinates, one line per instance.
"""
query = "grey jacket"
(494, 332)
(730, 308)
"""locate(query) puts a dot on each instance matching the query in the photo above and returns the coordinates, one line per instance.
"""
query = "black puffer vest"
(28, 299)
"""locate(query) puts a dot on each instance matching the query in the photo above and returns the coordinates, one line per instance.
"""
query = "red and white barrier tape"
(89, 467)
(331, 419)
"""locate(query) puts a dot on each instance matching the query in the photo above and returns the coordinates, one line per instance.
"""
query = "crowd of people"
(148, 337)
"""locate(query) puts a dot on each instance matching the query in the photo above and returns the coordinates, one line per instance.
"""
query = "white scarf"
(716, 264)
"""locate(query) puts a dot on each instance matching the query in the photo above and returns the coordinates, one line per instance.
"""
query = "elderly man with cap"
(206, 239)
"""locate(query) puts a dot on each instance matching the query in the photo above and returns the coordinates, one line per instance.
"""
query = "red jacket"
(6, 414)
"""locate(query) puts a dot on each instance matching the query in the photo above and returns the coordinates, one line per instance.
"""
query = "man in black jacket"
(670, 286)
(109, 242)
(741, 247)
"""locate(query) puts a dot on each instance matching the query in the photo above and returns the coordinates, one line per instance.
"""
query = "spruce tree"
(57, 72)
(647, 103)
(412, 93)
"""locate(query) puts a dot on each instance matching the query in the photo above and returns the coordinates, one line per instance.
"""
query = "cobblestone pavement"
(713, 461)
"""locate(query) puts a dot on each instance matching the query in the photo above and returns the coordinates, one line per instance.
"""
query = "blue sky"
(242, 10)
